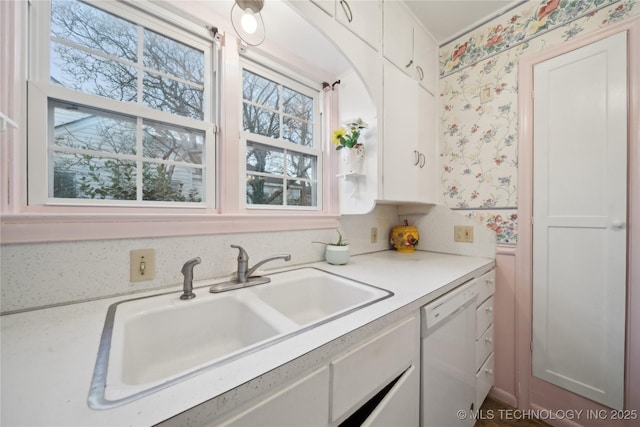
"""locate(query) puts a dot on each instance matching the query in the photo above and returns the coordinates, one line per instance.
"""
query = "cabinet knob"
(488, 309)
(420, 72)
(488, 340)
(423, 160)
(416, 155)
(489, 371)
(409, 64)
(489, 281)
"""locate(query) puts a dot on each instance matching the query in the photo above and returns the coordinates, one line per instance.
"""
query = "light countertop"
(48, 355)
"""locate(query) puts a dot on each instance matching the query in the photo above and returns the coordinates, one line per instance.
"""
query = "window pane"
(169, 95)
(80, 176)
(172, 57)
(297, 104)
(263, 190)
(87, 73)
(87, 26)
(160, 141)
(262, 158)
(259, 121)
(171, 183)
(301, 165)
(259, 90)
(88, 129)
(298, 132)
(301, 193)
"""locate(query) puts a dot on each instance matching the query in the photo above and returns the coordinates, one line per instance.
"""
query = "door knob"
(617, 224)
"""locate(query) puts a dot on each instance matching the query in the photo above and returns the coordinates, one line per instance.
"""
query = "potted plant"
(346, 139)
(336, 253)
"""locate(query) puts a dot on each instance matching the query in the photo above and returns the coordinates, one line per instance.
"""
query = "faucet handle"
(242, 255)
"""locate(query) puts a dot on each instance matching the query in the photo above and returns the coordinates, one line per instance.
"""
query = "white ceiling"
(449, 19)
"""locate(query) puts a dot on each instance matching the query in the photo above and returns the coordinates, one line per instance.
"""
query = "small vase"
(336, 255)
(352, 159)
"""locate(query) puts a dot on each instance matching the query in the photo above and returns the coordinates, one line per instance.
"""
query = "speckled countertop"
(48, 355)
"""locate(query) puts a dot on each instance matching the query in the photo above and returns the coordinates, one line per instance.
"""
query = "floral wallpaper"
(479, 97)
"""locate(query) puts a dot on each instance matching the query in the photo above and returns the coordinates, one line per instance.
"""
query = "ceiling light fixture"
(247, 21)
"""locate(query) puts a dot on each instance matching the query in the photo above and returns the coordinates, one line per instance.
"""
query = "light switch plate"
(143, 265)
(463, 233)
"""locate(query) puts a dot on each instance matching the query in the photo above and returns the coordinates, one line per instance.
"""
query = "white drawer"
(486, 286)
(484, 317)
(372, 365)
(484, 381)
(484, 347)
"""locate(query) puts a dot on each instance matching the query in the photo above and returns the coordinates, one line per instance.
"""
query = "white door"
(579, 220)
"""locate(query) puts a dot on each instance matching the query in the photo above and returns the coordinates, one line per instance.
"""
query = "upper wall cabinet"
(409, 157)
(363, 18)
(408, 46)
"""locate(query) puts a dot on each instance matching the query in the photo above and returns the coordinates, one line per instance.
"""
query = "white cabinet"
(425, 59)
(408, 46)
(397, 40)
(484, 336)
(363, 18)
(305, 402)
(361, 373)
(409, 159)
(375, 382)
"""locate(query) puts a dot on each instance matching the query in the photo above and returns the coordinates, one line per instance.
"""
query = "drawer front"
(304, 402)
(484, 317)
(486, 286)
(359, 374)
(484, 381)
(484, 347)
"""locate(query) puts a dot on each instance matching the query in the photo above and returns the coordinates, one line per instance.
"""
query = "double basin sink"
(151, 343)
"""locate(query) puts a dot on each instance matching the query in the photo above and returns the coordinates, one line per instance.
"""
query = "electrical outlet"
(374, 234)
(143, 265)
(463, 233)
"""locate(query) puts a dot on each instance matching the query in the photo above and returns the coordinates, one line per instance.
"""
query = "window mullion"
(139, 164)
(140, 65)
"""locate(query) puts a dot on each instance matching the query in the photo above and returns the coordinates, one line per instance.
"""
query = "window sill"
(31, 228)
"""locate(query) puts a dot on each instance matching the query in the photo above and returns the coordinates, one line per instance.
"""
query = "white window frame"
(40, 91)
(299, 84)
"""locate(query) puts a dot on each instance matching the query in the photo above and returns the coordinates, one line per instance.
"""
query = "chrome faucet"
(244, 273)
(187, 271)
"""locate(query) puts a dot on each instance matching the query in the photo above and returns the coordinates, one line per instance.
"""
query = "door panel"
(579, 217)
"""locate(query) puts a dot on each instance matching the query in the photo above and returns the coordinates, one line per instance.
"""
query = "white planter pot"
(352, 159)
(337, 255)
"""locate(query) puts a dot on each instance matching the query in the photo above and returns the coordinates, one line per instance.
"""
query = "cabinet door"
(427, 147)
(425, 58)
(401, 406)
(397, 41)
(400, 145)
(305, 402)
(363, 18)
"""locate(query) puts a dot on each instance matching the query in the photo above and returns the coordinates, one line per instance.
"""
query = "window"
(127, 107)
(280, 128)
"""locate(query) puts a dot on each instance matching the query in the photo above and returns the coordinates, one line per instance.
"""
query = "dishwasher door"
(448, 359)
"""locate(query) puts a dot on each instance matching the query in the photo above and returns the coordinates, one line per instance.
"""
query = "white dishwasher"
(448, 380)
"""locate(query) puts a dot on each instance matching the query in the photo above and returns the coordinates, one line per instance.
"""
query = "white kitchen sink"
(307, 295)
(150, 343)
